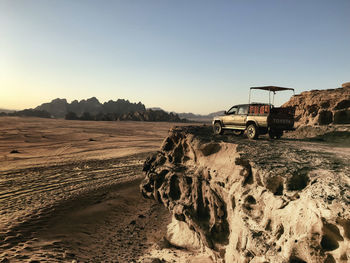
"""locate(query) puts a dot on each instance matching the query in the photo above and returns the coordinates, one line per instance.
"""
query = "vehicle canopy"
(270, 89)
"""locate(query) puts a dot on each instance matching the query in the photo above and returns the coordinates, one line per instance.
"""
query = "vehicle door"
(241, 116)
(228, 119)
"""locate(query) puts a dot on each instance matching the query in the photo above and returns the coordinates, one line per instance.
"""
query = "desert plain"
(69, 190)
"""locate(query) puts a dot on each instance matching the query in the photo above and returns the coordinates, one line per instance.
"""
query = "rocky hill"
(322, 107)
(236, 200)
(6, 111)
(59, 108)
(27, 113)
(151, 115)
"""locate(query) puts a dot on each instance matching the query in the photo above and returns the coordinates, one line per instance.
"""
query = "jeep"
(257, 118)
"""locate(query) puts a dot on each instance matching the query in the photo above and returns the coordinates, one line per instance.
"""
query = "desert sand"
(69, 190)
(42, 142)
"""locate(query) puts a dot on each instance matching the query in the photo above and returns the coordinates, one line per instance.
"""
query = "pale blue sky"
(186, 56)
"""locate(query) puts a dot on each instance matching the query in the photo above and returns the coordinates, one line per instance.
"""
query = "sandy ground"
(50, 141)
(69, 190)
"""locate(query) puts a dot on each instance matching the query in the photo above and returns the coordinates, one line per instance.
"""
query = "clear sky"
(183, 55)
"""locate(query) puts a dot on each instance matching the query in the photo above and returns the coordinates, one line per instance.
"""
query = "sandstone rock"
(252, 201)
(346, 85)
(319, 107)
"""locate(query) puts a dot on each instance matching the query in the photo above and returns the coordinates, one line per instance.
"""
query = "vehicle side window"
(233, 110)
(243, 110)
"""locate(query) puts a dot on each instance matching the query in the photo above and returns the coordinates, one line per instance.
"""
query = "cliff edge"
(236, 200)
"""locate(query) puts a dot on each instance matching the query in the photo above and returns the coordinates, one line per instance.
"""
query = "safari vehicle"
(257, 118)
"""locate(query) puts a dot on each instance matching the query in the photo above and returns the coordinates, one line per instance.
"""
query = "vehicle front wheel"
(217, 128)
(252, 131)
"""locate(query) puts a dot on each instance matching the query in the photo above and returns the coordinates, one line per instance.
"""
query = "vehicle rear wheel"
(217, 128)
(279, 134)
(252, 131)
(275, 134)
(237, 132)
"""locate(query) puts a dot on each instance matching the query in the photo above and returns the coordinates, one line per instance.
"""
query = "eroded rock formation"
(151, 115)
(322, 107)
(58, 108)
(252, 201)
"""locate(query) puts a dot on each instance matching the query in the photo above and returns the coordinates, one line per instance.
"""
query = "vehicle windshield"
(233, 110)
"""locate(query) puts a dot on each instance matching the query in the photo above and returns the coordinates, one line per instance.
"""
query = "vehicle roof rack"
(272, 88)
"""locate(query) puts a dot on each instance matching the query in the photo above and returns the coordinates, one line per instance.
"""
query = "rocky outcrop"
(92, 109)
(151, 115)
(57, 107)
(346, 85)
(322, 107)
(252, 201)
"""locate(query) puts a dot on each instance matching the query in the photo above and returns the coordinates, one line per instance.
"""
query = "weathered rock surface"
(322, 107)
(253, 201)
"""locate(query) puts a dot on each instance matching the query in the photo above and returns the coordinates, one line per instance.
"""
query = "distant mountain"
(92, 109)
(27, 113)
(213, 114)
(152, 115)
(200, 118)
(156, 108)
(6, 111)
(189, 116)
(59, 108)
